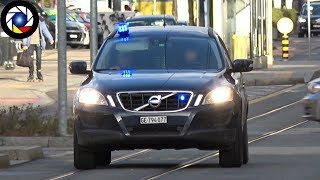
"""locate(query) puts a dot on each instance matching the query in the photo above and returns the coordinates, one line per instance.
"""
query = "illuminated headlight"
(219, 95)
(314, 87)
(91, 96)
(302, 20)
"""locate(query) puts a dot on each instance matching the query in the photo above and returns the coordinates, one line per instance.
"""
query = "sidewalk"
(15, 90)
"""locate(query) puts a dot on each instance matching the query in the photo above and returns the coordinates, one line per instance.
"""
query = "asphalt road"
(282, 146)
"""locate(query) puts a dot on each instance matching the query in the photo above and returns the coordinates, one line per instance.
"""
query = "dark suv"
(161, 87)
(314, 17)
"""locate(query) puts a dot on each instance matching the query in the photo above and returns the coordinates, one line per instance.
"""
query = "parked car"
(311, 102)
(82, 18)
(183, 23)
(77, 33)
(314, 17)
(161, 88)
(152, 20)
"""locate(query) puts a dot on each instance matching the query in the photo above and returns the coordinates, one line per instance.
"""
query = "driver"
(123, 61)
(191, 58)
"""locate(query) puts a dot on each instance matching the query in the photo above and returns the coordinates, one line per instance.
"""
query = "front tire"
(82, 159)
(233, 157)
(103, 158)
(245, 143)
(300, 35)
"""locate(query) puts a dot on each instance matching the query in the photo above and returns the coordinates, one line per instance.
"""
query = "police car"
(168, 87)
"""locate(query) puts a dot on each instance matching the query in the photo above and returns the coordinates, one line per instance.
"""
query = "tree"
(174, 9)
(201, 13)
(191, 13)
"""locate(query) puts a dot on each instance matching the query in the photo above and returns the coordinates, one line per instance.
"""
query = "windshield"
(314, 10)
(76, 16)
(151, 22)
(159, 53)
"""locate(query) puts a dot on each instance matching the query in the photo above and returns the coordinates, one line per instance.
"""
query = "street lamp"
(285, 26)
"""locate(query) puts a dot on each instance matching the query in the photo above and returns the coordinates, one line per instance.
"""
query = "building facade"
(245, 26)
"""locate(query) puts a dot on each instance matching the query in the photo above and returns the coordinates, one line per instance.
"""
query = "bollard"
(285, 48)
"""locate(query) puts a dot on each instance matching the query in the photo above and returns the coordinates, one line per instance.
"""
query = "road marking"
(122, 158)
(216, 153)
(286, 90)
(274, 110)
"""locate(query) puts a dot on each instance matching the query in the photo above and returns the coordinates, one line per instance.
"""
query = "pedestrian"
(35, 43)
(127, 8)
(136, 13)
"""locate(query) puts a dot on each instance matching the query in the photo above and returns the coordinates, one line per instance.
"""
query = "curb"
(4, 161)
(276, 78)
(22, 152)
(37, 141)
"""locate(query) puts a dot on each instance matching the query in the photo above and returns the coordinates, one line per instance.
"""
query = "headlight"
(302, 20)
(314, 87)
(219, 95)
(91, 96)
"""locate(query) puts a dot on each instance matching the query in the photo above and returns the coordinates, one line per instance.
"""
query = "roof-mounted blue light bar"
(123, 29)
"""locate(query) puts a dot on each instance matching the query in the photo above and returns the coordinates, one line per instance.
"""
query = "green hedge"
(277, 14)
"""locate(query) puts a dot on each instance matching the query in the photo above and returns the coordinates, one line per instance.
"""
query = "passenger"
(191, 58)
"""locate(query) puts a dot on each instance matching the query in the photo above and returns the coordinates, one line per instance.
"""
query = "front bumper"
(311, 104)
(203, 127)
(303, 27)
(78, 37)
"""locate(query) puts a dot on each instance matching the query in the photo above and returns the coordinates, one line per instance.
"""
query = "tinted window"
(160, 53)
(150, 22)
(76, 16)
(314, 10)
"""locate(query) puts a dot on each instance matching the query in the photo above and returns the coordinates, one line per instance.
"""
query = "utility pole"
(309, 30)
(269, 33)
(154, 7)
(198, 12)
(93, 30)
(62, 68)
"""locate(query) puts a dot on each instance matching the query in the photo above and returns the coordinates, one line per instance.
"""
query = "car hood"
(196, 81)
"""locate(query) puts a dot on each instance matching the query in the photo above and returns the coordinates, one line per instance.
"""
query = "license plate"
(316, 26)
(74, 36)
(153, 120)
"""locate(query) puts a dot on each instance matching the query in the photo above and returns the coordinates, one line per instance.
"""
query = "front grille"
(131, 101)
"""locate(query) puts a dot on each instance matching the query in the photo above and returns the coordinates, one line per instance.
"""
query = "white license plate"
(73, 36)
(316, 26)
(153, 120)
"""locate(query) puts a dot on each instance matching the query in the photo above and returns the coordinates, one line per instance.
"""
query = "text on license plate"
(153, 120)
(73, 36)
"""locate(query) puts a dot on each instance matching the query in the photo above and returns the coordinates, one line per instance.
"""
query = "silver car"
(312, 101)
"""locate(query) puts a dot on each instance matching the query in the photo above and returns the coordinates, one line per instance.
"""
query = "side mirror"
(78, 67)
(242, 65)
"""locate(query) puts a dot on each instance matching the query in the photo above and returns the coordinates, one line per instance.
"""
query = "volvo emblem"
(155, 101)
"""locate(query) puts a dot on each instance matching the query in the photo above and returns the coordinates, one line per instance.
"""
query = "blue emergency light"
(183, 97)
(123, 29)
(126, 73)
